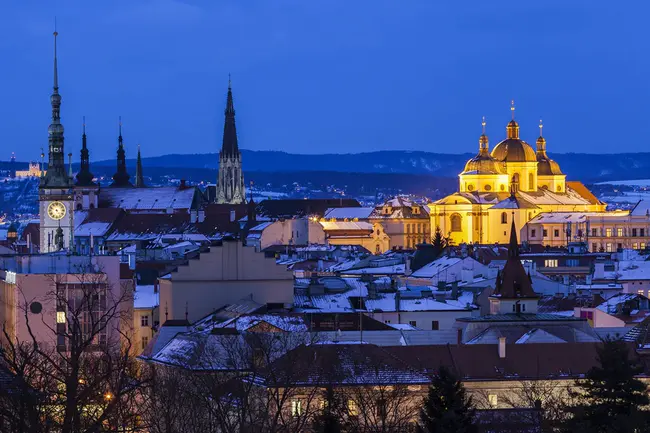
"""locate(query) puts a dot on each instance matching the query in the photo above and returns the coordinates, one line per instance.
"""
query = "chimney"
(502, 347)
(183, 185)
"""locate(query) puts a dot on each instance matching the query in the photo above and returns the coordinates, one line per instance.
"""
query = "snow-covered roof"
(386, 302)
(573, 217)
(642, 208)
(145, 297)
(154, 198)
(397, 269)
(611, 305)
(341, 213)
(284, 322)
(346, 225)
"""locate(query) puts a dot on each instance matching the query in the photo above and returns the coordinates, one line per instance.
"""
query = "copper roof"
(514, 150)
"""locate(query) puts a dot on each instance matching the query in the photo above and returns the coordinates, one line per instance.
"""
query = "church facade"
(511, 184)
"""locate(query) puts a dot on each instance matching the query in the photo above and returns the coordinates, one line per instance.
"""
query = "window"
(523, 307)
(504, 218)
(533, 233)
(545, 233)
(488, 187)
(296, 407)
(144, 320)
(387, 321)
(531, 181)
(377, 249)
(619, 231)
(642, 231)
(641, 292)
(493, 400)
(633, 232)
(413, 323)
(550, 263)
(503, 187)
(435, 325)
(608, 247)
(643, 245)
(145, 341)
(470, 187)
(456, 223)
(352, 408)
(635, 246)
(594, 247)
(594, 232)
(608, 233)
(573, 262)
(60, 317)
(556, 233)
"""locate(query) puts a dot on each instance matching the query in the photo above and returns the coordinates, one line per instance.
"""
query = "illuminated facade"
(513, 182)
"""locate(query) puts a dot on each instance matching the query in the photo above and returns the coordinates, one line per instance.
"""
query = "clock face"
(56, 210)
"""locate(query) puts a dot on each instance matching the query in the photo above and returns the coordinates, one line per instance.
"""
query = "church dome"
(514, 150)
(545, 165)
(483, 164)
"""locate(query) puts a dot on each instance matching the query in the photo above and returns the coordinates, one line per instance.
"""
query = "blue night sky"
(333, 76)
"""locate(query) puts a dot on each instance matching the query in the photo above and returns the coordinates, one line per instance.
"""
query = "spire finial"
(541, 126)
(512, 108)
(120, 124)
(483, 124)
(229, 81)
(84, 125)
(56, 73)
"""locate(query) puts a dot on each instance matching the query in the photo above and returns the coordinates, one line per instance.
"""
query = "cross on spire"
(541, 126)
(512, 108)
(483, 124)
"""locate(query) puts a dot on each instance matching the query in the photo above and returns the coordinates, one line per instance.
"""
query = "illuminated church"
(514, 181)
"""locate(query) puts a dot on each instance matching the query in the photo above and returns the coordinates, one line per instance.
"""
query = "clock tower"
(55, 193)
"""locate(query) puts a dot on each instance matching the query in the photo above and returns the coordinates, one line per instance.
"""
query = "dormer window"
(416, 210)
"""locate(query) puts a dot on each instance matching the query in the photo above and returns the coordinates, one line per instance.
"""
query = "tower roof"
(84, 177)
(121, 176)
(483, 163)
(512, 281)
(229, 146)
(545, 165)
(513, 149)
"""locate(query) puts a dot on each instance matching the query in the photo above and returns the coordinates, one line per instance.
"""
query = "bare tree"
(77, 362)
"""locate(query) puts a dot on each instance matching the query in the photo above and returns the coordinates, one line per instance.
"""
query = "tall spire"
(229, 146)
(139, 179)
(56, 173)
(121, 176)
(513, 246)
(84, 177)
(70, 165)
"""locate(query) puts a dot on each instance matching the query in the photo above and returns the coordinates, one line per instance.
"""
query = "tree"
(447, 407)
(439, 242)
(74, 352)
(329, 420)
(610, 398)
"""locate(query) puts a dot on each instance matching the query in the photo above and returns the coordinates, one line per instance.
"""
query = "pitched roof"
(290, 208)
(149, 199)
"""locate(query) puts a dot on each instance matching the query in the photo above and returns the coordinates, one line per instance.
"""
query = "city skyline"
(324, 80)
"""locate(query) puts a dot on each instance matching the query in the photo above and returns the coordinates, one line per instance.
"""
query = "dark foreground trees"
(447, 408)
(611, 398)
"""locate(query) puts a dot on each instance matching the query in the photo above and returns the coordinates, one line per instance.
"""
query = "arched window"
(531, 180)
(559, 188)
(377, 249)
(504, 218)
(456, 223)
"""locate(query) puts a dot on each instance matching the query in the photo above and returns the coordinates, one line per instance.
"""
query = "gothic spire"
(56, 173)
(229, 146)
(84, 177)
(121, 176)
(139, 179)
(513, 246)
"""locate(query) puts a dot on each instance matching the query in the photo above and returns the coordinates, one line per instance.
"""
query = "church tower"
(139, 178)
(230, 180)
(55, 189)
(121, 176)
(86, 192)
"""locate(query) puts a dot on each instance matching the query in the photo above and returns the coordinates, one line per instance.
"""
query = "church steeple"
(139, 179)
(56, 176)
(84, 177)
(121, 176)
(229, 146)
(541, 141)
(230, 180)
(483, 143)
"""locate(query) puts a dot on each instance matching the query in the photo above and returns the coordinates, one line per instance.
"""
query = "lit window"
(352, 408)
(608, 247)
(641, 292)
(619, 231)
(296, 407)
(60, 317)
(493, 400)
(635, 246)
(643, 245)
(608, 233)
(550, 263)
